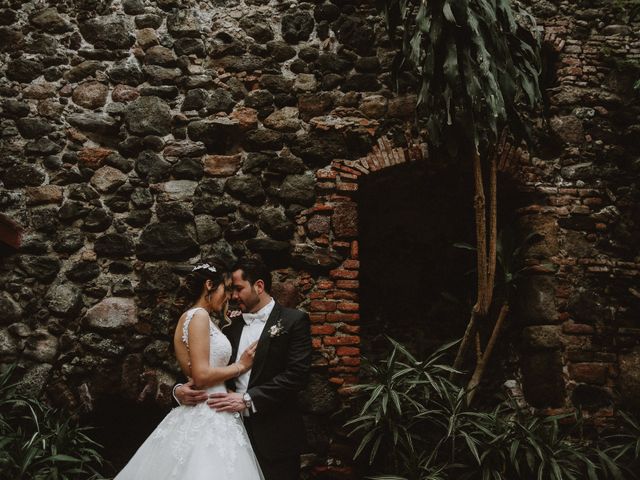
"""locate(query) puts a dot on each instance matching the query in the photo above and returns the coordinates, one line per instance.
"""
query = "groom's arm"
(295, 375)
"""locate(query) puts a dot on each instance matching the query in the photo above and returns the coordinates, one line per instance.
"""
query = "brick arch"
(331, 225)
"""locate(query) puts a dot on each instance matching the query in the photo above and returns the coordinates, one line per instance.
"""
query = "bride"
(199, 443)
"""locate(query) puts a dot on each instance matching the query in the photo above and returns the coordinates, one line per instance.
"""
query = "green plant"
(511, 269)
(413, 423)
(478, 63)
(38, 442)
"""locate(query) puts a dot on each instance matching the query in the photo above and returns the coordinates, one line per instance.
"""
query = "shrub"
(413, 423)
(38, 442)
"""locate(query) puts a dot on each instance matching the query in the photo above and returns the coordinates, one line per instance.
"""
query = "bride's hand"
(246, 359)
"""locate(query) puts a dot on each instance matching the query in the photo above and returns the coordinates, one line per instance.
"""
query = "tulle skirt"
(195, 443)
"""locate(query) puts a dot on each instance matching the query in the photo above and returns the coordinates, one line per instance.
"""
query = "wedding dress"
(197, 443)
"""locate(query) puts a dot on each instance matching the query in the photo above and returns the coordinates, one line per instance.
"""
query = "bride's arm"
(203, 374)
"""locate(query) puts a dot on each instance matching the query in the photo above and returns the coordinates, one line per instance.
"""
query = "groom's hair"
(254, 269)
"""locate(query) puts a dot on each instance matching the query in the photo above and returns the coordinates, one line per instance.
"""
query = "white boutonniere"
(277, 329)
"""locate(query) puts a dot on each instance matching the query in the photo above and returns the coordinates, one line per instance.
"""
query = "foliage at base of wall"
(38, 442)
(413, 423)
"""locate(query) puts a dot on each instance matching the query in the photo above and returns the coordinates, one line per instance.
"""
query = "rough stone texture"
(112, 314)
(629, 379)
(222, 165)
(64, 299)
(166, 241)
(10, 310)
(107, 179)
(91, 95)
(148, 116)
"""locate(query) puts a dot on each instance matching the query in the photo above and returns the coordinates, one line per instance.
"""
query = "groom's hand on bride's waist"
(226, 402)
(187, 395)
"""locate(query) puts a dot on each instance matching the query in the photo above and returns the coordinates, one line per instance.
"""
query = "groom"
(266, 394)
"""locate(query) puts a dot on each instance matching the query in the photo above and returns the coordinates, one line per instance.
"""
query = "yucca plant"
(478, 64)
(622, 447)
(40, 443)
(413, 423)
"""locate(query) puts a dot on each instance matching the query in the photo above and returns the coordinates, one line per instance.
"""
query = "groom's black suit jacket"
(280, 370)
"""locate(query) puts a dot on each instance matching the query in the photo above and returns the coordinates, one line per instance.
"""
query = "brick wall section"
(581, 337)
(333, 303)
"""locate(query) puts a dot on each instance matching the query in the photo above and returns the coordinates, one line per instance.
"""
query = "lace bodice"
(219, 345)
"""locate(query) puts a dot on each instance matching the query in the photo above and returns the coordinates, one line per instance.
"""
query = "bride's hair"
(195, 280)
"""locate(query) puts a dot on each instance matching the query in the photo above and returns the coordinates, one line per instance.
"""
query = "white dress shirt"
(254, 325)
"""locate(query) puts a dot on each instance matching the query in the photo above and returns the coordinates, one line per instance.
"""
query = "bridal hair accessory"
(204, 266)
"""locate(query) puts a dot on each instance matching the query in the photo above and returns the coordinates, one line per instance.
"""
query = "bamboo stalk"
(484, 360)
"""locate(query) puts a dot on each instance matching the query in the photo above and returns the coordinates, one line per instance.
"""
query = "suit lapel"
(263, 344)
(233, 333)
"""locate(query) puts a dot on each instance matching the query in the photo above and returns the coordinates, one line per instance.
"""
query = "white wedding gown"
(197, 443)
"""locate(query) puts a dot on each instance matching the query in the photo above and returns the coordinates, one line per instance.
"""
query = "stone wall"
(139, 136)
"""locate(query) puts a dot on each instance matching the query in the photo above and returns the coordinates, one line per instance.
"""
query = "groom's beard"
(250, 305)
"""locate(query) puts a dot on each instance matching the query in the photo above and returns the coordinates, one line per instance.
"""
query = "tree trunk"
(469, 334)
(493, 227)
(479, 204)
(484, 359)
(480, 308)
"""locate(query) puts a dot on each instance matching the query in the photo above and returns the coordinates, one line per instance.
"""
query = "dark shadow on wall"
(415, 286)
(121, 426)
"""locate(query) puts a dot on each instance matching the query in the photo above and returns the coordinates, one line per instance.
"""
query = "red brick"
(325, 284)
(322, 330)
(314, 295)
(350, 329)
(341, 273)
(317, 317)
(348, 284)
(322, 207)
(342, 294)
(342, 340)
(348, 307)
(316, 343)
(347, 351)
(354, 249)
(343, 317)
(336, 380)
(326, 174)
(322, 306)
(592, 373)
(350, 361)
(351, 264)
(347, 187)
